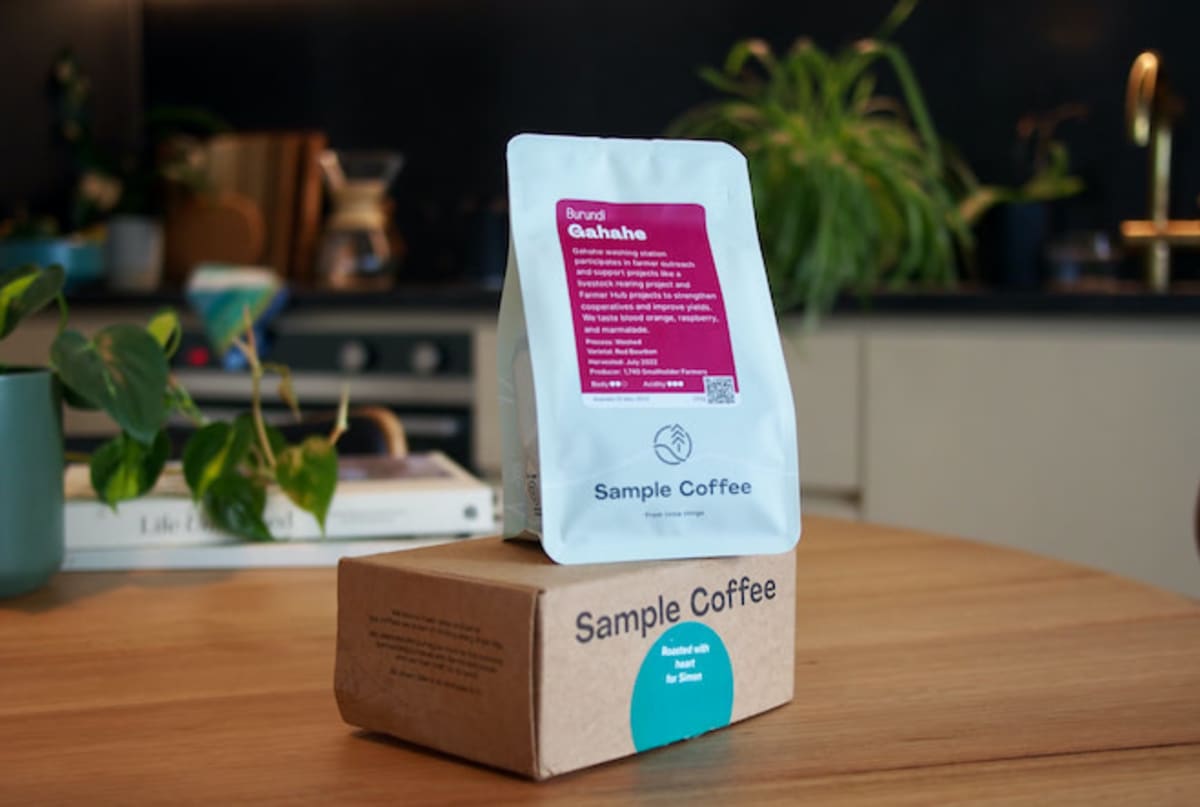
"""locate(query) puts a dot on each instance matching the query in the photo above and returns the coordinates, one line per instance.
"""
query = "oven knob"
(425, 358)
(353, 356)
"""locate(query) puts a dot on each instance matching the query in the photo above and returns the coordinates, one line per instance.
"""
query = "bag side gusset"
(518, 413)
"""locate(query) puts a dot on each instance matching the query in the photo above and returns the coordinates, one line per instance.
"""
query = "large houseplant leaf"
(124, 469)
(235, 503)
(165, 328)
(214, 451)
(308, 475)
(122, 370)
(26, 290)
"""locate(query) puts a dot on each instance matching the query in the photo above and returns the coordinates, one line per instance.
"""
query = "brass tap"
(1150, 112)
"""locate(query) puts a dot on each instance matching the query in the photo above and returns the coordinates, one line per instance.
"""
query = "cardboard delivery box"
(488, 650)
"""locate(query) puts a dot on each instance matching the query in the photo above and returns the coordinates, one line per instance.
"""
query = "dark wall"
(106, 38)
(448, 81)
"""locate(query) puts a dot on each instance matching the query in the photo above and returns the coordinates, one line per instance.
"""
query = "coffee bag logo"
(672, 444)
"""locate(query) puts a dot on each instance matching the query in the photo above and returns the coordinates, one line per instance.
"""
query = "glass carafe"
(356, 250)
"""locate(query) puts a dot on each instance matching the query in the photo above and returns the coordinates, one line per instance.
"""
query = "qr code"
(718, 389)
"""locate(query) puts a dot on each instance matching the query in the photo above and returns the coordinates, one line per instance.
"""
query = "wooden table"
(928, 670)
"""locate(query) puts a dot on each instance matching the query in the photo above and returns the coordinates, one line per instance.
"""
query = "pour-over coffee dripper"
(356, 252)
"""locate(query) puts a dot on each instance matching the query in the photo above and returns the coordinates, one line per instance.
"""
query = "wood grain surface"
(928, 670)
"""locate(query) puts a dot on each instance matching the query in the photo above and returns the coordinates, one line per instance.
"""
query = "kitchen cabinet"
(825, 371)
(486, 409)
(1075, 439)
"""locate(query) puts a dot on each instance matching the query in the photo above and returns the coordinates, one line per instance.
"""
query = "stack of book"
(264, 208)
(381, 504)
(279, 172)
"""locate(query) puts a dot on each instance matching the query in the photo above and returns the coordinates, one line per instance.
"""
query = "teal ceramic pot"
(31, 480)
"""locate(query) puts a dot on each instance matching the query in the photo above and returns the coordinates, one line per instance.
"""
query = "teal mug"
(31, 480)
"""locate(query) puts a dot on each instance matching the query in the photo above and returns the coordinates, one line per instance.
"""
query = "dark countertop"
(474, 299)
(1039, 304)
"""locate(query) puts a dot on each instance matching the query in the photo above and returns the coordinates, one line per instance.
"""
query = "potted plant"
(124, 370)
(853, 190)
(1014, 221)
(31, 462)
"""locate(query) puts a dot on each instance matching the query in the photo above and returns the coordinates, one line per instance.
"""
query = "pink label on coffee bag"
(650, 324)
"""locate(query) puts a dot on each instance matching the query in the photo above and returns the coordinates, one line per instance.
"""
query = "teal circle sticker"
(684, 688)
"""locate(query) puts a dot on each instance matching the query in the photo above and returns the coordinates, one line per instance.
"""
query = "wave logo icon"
(672, 444)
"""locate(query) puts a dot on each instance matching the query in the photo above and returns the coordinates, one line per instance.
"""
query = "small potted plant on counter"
(124, 370)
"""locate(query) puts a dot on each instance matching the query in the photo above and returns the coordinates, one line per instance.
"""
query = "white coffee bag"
(644, 401)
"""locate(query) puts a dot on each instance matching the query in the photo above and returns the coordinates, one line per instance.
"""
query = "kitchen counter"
(476, 299)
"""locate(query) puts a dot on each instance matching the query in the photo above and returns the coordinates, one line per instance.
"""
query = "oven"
(419, 367)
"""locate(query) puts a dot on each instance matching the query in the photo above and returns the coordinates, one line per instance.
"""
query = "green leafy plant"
(852, 189)
(130, 181)
(1045, 166)
(228, 466)
(124, 370)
